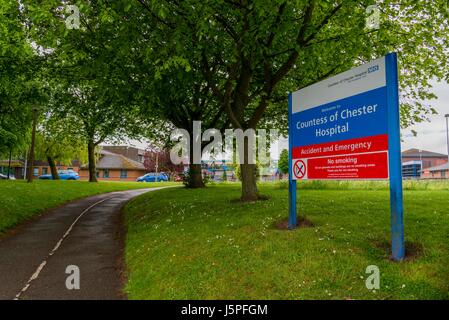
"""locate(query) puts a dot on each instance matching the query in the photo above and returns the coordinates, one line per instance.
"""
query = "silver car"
(5, 177)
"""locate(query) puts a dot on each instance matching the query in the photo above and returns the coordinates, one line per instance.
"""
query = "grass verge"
(20, 201)
(198, 244)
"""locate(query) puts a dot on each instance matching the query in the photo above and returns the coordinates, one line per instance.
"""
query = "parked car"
(153, 177)
(5, 177)
(63, 175)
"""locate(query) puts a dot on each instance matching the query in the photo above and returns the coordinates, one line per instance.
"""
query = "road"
(85, 234)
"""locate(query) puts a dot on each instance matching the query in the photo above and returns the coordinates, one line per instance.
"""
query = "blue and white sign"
(338, 126)
(347, 127)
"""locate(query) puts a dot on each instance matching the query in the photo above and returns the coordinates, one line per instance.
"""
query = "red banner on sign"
(352, 146)
(357, 166)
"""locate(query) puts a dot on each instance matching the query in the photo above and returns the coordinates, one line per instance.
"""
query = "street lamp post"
(447, 134)
(420, 161)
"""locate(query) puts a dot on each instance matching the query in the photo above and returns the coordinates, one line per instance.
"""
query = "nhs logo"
(373, 68)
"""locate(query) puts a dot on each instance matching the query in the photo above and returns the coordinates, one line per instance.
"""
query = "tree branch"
(324, 22)
(154, 15)
(285, 68)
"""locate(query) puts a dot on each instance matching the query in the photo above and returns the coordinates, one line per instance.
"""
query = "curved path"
(85, 233)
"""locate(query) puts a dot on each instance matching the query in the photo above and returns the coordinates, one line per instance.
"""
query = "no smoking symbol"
(299, 169)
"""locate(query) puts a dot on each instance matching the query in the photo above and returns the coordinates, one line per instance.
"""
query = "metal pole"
(157, 164)
(9, 162)
(292, 219)
(447, 135)
(420, 160)
(394, 146)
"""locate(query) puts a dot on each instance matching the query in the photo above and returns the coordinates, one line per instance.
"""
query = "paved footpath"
(85, 233)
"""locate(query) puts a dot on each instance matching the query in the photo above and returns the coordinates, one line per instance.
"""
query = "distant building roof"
(442, 167)
(106, 152)
(416, 153)
(109, 160)
(413, 162)
(14, 163)
(132, 153)
(118, 161)
(119, 148)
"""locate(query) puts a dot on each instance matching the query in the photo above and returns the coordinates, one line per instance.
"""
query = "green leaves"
(268, 48)
(178, 60)
(19, 68)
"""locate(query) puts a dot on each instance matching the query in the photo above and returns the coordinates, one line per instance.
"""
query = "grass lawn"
(198, 244)
(20, 200)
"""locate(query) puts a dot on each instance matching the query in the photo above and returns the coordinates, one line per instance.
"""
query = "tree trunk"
(248, 174)
(249, 182)
(53, 170)
(33, 143)
(92, 165)
(195, 176)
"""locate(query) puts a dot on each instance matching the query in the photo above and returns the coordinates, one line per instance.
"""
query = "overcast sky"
(431, 135)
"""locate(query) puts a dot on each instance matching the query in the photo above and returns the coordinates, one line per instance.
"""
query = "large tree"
(98, 115)
(17, 63)
(249, 54)
(180, 98)
(266, 48)
(91, 84)
(118, 46)
(22, 83)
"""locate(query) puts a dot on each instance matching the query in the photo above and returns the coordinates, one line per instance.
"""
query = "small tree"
(58, 141)
(225, 176)
(283, 162)
(159, 161)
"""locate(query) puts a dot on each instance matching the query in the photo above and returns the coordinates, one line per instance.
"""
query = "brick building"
(428, 158)
(418, 163)
(40, 167)
(114, 167)
(437, 172)
(115, 163)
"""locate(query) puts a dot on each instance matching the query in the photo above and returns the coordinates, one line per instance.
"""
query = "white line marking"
(58, 244)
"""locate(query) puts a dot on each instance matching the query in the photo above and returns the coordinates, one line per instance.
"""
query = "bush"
(186, 179)
(283, 162)
(225, 176)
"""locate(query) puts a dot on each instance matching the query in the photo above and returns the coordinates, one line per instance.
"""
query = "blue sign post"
(395, 164)
(347, 128)
(291, 182)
